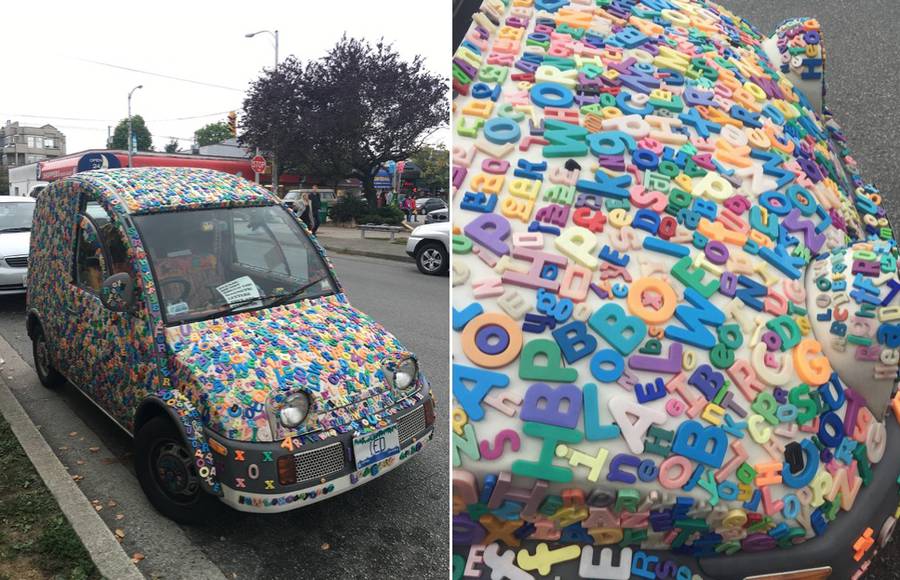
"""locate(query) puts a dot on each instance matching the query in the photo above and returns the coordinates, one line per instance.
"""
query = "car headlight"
(403, 376)
(294, 410)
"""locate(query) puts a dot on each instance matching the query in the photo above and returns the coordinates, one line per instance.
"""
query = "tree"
(171, 146)
(4, 180)
(352, 110)
(434, 163)
(139, 129)
(213, 133)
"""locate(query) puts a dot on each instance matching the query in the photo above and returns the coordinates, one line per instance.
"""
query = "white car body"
(14, 250)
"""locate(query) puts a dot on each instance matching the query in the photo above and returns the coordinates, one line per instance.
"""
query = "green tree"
(140, 130)
(434, 162)
(171, 146)
(213, 133)
(356, 108)
(4, 180)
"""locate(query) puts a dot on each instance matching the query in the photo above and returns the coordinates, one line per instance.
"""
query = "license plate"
(374, 447)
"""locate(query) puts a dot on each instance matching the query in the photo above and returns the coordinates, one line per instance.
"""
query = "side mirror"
(117, 293)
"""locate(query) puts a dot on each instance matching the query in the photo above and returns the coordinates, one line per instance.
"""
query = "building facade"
(21, 145)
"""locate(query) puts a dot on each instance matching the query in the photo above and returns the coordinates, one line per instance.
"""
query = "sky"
(47, 76)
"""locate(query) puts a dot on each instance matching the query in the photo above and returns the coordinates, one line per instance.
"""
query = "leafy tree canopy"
(346, 113)
(139, 129)
(435, 165)
(213, 133)
(171, 146)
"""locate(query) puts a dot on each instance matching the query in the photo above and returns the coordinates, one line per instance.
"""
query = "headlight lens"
(294, 410)
(404, 374)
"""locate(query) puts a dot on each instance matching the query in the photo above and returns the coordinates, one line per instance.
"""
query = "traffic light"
(232, 123)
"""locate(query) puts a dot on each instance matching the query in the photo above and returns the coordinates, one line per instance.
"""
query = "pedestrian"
(407, 201)
(304, 211)
(315, 204)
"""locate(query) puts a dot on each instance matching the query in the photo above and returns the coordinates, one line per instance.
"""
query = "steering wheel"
(185, 288)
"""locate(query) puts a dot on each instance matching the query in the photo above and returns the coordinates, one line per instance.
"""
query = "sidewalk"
(339, 240)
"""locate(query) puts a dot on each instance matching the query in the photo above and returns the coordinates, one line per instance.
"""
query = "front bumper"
(248, 472)
(411, 244)
(12, 280)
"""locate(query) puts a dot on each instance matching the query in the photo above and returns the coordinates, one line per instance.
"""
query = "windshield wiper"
(284, 298)
(19, 229)
(279, 299)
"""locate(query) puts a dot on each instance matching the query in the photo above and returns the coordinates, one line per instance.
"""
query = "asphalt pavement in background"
(395, 526)
(862, 71)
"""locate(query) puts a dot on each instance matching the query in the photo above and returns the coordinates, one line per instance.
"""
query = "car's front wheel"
(167, 473)
(40, 350)
(432, 259)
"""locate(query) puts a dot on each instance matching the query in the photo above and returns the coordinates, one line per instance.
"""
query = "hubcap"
(174, 471)
(432, 259)
(43, 357)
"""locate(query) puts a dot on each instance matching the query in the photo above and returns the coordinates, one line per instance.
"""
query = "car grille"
(319, 462)
(17, 262)
(411, 424)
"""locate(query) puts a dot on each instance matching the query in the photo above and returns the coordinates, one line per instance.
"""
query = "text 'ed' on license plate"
(373, 447)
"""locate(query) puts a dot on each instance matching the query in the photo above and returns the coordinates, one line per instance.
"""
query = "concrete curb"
(337, 249)
(109, 557)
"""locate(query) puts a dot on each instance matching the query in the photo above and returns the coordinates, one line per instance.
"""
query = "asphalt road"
(395, 526)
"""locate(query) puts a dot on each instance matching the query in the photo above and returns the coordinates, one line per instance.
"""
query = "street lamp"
(274, 34)
(129, 121)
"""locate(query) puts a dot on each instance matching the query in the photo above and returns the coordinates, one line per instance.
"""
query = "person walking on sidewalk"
(315, 203)
(304, 211)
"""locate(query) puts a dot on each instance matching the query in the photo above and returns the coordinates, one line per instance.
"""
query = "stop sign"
(258, 164)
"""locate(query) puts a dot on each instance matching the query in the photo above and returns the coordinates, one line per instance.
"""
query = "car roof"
(157, 189)
(16, 198)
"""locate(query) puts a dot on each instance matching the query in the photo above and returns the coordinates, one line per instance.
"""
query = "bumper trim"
(270, 503)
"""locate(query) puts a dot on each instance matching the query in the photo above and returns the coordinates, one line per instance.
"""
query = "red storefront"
(60, 167)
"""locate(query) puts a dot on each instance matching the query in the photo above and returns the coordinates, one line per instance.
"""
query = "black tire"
(48, 375)
(167, 474)
(432, 259)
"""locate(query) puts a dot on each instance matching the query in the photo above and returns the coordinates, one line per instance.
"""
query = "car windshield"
(213, 262)
(16, 216)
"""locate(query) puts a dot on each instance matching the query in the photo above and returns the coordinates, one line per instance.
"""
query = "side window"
(90, 264)
(101, 251)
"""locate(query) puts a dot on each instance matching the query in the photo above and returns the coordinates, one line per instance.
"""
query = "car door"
(114, 348)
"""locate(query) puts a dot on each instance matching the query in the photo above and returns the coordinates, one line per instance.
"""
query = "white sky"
(43, 74)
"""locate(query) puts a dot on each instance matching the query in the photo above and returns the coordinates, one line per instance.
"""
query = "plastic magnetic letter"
(543, 468)
(622, 332)
(470, 398)
(551, 411)
(634, 420)
(553, 371)
(593, 430)
(693, 441)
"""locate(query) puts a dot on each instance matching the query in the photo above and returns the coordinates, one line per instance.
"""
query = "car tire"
(40, 351)
(166, 471)
(432, 259)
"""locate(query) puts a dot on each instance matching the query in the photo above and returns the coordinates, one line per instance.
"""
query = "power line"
(174, 78)
(115, 120)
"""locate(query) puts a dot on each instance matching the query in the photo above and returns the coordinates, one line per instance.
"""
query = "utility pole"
(129, 122)
(274, 145)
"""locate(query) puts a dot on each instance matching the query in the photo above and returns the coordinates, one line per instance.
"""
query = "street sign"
(258, 164)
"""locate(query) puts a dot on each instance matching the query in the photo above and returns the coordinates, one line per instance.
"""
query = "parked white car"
(15, 236)
(430, 246)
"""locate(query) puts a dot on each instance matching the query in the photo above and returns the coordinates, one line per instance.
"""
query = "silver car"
(15, 235)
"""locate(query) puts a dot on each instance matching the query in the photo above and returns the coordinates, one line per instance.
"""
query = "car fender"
(183, 413)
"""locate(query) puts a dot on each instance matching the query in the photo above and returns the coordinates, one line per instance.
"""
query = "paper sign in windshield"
(240, 290)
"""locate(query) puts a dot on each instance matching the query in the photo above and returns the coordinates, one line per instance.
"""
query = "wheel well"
(429, 242)
(149, 409)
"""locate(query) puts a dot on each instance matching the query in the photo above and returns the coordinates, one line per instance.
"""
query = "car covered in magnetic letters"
(675, 301)
(203, 318)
